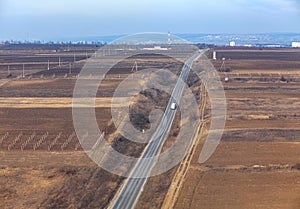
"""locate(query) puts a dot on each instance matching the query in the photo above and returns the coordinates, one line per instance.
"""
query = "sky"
(49, 19)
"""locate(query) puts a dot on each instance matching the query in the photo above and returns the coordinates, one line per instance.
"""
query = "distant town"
(273, 40)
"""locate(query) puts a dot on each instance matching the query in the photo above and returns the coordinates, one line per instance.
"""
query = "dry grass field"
(42, 164)
(256, 165)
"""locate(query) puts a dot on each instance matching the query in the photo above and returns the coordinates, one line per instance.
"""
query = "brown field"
(256, 165)
(38, 145)
(35, 58)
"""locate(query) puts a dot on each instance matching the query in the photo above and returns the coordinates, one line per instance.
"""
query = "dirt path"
(3, 81)
(53, 102)
(182, 170)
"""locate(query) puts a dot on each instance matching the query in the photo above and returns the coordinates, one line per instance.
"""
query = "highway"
(133, 186)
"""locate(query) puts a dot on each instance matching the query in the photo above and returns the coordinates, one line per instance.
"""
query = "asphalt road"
(133, 186)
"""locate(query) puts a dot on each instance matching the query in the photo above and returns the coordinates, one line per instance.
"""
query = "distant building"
(214, 55)
(156, 48)
(295, 44)
(232, 43)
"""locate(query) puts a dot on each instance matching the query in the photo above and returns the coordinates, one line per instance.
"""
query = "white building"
(295, 44)
(155, 48)
(214, 55)
(232, 43)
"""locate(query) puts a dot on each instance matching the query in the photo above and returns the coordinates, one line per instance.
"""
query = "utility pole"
(70, 68)
(134, 67)
(74, 57)
(23, 74)
(48, 65)
(59, 62)
(223, 66)
(8, 70)
(169, 40)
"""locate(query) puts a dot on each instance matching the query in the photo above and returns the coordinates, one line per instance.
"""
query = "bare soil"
(42, 162)
(255, 166)
(256, 163)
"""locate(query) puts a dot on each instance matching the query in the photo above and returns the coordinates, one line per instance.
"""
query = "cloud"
(146, 7)
(269, 6)
(82, 7)
(130, 16)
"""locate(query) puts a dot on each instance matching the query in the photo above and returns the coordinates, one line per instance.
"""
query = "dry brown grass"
(253, 166)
